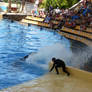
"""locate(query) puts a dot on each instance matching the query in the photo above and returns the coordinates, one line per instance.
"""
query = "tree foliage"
(5, 0)
(13, 1)
(58, 3)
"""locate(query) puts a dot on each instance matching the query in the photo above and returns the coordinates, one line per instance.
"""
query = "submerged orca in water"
(25, 57)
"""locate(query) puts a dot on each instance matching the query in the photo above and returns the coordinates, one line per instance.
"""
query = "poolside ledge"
(1, 16)
(78, 81)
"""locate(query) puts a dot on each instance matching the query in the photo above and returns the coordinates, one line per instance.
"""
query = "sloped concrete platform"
(1, 16)
(78, 81)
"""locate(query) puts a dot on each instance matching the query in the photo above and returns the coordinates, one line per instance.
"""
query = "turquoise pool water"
(17, 41)
(4, 8)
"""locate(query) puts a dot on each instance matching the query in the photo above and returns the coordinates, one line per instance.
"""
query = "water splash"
(81, 57)
(44, 55)
(58, 50)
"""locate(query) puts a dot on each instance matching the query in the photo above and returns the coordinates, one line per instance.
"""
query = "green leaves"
(5, 0)
(13, 1)
(58, 3)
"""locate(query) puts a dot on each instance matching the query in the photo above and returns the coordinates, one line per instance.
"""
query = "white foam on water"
(60, 51)
(45, 54)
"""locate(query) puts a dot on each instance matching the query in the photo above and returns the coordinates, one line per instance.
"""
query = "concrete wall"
(14, 17)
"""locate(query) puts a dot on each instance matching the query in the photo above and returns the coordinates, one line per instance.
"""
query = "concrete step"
(34, 18)
(80, 33)
(35, 23)
(87, 30)
(77, 38)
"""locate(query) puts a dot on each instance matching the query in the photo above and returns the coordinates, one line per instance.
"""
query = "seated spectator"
(32, 12)
(47, 19)
(70, 24)
(41, 13)
(50, 8)
(61, 23)
(83, 24)
(35, 13)
(88, 2)
(82, 27)
(90, 22)
(57, 10)
(85, 11)
(75, 17)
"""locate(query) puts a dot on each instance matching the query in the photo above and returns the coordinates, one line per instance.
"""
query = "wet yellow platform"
(78, 81)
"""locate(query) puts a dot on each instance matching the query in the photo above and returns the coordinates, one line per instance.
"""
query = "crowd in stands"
(39, 13)
(80, 15)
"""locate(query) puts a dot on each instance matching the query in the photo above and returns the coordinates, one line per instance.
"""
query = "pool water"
(4, 8)
(17, 41)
